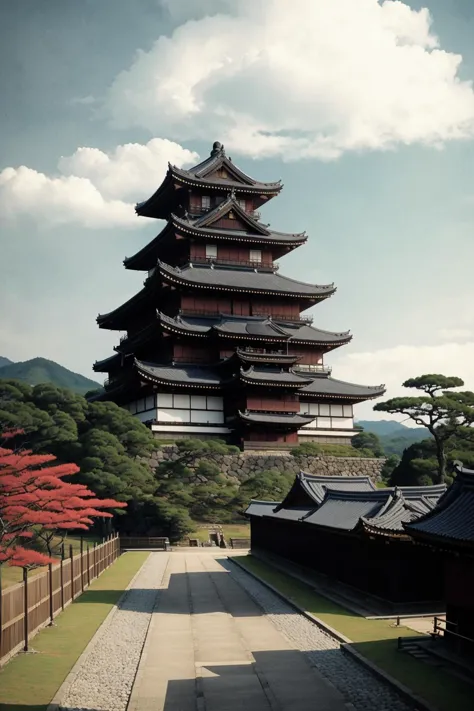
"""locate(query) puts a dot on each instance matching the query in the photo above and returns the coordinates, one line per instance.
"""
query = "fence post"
(88, 566)
(61, 576)
(50, 581)
(25, 602)
(95, 559)
(71, 558)
(82, 564)
(1, 612)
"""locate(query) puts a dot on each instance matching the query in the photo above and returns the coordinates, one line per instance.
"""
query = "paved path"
(209, 647)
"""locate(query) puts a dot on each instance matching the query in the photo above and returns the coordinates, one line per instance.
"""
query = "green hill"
(394, 436)
(41, 370)
(4, 361)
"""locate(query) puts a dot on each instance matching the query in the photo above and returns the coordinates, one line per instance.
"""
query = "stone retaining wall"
(246, 464)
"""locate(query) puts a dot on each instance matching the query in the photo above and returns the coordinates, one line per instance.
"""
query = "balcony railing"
(284, 317)
(254, 264)
(310, 368)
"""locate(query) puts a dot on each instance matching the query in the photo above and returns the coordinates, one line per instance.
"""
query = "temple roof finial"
(217, 148)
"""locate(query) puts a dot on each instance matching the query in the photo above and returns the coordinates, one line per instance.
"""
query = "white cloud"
(392, 366)
(92, 188)
(450, 334)
(310, 78)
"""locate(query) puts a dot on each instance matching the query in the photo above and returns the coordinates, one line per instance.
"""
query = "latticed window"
(206, 202)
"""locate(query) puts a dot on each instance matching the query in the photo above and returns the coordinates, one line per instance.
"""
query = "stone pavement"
(210, 647)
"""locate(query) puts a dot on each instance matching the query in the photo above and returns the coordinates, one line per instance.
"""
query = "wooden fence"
(144, 543)
(29, 606)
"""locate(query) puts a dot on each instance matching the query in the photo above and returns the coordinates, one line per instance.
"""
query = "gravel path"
(359, 686)
(104, 680)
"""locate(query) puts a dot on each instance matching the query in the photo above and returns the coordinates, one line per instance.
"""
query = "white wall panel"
(215, 403)
(164, 400)
(198, 402)
(183, 401)
(173, 415)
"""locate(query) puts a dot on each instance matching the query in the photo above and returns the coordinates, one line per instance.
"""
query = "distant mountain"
(394, 436)
(4, 361)
(40, 370)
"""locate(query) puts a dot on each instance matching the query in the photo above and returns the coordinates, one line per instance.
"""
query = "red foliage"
(34, 500)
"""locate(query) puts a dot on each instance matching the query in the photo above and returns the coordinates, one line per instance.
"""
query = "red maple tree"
(36, 502)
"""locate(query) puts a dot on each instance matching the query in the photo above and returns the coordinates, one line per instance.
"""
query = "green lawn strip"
(30, 681)
(374, 639)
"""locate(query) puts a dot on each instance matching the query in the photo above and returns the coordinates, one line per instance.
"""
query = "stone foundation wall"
(246, 464)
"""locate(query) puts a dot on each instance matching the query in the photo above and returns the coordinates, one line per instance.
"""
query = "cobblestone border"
(406, 693)
(63, 690)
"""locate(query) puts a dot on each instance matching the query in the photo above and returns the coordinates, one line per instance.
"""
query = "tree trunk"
(441, 457)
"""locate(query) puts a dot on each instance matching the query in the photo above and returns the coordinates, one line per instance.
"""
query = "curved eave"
(295, 420)
(145, 259)
(107, 364)
(110, 319)
(171, 325)
(274, 382)
(267, 357)
(187, 178)
(170, 275)
(271, 238)
(145, 372)
(350, 393)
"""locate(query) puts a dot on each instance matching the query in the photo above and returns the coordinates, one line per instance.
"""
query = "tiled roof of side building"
(249, 279)
(343, 510)
(324, 385)
(260, 508)
(246, 326)
(186, 375)
(451, 521)
(318, 486)
(400, 509)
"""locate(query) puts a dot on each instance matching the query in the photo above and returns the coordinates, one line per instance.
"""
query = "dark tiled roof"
(451, 521)
(260, 508)
(231, 279)
(346, 503)
(263, 234)
(326, 386)
(317, 486)
(187, 375)
(185, 325)
(343, 510)
(268, 418)
(282, 330)
(105, 365)
(261, 375)
(256, 357)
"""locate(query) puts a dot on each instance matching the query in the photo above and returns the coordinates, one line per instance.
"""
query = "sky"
(364, 109)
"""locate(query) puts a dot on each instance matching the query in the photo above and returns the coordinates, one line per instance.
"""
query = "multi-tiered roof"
(215, 314)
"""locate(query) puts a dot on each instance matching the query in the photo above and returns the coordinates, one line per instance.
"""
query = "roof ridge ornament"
(217, 149)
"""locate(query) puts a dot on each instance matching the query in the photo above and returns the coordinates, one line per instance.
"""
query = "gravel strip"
(358, 686)
(105, 679)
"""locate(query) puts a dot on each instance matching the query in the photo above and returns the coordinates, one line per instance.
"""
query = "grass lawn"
(375, 639)
(11, 576)
(30, 681)
(231, 530)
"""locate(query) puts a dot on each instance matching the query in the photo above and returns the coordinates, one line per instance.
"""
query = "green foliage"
(390, 463)
(446, 415)
(270, 485)
(368, 441)
(41, 370)
(102, 438)
(312, 449)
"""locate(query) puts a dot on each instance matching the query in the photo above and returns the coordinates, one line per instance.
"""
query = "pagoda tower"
(215, 343)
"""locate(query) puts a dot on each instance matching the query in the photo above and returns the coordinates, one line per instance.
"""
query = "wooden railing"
(144, 542)
(29, 606)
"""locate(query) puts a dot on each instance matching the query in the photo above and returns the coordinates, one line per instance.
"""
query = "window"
(336, 410)
(255, 255)
(206, 202)
(242, 204)
(347, 410)
(211, 251)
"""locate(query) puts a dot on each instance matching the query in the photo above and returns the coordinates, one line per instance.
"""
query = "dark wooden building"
(448, 529)
(217, 343)
(345, 528)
